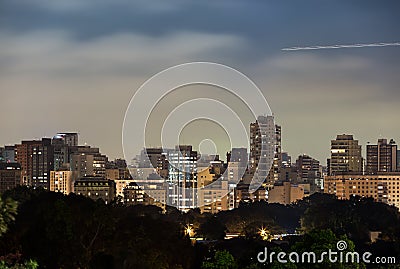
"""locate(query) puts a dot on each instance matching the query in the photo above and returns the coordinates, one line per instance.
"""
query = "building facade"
(63, 181)
(264, 147)
(381, 157)
(62, 145)
(88, 161)
(383, 187)
(36, 158)
(10, 176)
(95, 187)
(286, 193)
(345, 155)
(153, 192)
(182, 170)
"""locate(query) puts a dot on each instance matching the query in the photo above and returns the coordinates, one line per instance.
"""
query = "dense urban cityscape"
(60, 164)
(214, 211)
(187, 134)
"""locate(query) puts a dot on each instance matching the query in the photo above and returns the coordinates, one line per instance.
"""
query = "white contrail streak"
(342, 46)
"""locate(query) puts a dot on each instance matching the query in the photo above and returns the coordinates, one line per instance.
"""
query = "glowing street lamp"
(265, 235)
(189, 230)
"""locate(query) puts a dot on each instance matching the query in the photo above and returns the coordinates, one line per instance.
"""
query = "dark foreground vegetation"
(41, 229)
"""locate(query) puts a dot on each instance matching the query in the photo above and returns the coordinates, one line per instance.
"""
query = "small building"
(286, 193)
(95, 187)
(146, 194)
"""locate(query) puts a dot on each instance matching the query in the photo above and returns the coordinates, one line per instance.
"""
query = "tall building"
(307, 167)
(63, 144)
(264, 146)
(398, 160)
(273, 175)
(182, 177)
(345, 155)
(309, 172)
(383, 187)
(10, 176)
(36, 158)
(88, 161)
(381, 157)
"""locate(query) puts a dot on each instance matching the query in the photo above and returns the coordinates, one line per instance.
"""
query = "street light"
(189, 230)
(264, 233)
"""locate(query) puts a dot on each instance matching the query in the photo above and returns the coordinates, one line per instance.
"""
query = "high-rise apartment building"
(88, 161)
(381, 157)
(264, 146)
(10, 176)
(398, 160)
(309, 172)
(63, 144)
(345, 155)
(307, 167)
(182, 191)
(36, 158)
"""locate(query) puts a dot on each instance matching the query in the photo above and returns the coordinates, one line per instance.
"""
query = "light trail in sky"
(342, 46)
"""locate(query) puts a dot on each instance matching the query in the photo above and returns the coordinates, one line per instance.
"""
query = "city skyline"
(60, 164)
(223, 156)
(199, 134)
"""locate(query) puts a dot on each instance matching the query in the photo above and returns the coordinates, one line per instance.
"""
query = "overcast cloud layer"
(74, 65)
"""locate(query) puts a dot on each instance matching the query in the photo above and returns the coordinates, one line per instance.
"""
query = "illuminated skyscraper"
(36, 159)
(345, 155)
(381, 157)
(263, 145)
(182, 177)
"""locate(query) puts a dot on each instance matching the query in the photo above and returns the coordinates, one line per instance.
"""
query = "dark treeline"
(58, 231)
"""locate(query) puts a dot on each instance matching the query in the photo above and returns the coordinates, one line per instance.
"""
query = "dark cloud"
(88, 57)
